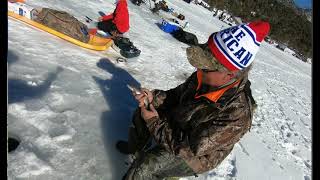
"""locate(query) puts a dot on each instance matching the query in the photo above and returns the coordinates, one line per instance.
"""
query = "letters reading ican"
(231, 37)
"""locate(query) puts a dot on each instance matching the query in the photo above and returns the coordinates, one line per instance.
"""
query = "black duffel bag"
(185, 37)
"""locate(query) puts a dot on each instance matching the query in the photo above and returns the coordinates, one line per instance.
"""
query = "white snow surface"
(69, 105)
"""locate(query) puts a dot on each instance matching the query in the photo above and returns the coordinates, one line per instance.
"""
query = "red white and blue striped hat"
(236, 47)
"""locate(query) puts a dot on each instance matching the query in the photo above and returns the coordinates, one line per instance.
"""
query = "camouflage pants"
(155, 163)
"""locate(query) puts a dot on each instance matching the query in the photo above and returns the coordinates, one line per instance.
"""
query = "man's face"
(217, 78)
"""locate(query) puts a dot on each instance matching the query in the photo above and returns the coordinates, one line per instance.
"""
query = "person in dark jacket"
(117, 22)
(161, 5)
(196, 125)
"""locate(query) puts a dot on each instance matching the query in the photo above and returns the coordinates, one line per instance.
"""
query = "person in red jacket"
(117, 22)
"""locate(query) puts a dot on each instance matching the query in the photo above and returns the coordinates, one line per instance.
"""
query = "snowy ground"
(69, 105)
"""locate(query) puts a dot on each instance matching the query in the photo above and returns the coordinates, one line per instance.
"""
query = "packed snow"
(69, 105)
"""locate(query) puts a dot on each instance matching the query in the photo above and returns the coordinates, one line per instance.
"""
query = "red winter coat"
(120, 16)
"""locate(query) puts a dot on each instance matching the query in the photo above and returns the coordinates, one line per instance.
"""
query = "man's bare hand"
(148, 94)
(145, 95)
(100, 19)
(140, 98)
(147, 115)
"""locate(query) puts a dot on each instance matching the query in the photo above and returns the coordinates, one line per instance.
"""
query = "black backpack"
(185, 37)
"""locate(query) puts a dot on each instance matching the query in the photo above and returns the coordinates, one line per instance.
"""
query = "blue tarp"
(168, 27)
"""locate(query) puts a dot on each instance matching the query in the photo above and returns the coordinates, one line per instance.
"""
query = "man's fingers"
(143, 109)
(146, 91)
(139, 96)
(141, 99)
(152, 108)
(141, 103)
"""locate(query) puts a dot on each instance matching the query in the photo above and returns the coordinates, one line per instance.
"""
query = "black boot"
(123, 147)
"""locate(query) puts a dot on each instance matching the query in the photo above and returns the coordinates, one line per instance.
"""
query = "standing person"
(117, 22)
(196, 125)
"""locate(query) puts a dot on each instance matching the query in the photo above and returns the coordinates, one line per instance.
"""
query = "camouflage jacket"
(198, 130)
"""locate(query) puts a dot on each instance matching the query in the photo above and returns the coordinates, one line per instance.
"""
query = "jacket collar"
(213, 96)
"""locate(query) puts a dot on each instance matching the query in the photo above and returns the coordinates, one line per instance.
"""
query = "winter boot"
(125, 47)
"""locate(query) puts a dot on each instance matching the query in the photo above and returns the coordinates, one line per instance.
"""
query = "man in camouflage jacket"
(195, 125)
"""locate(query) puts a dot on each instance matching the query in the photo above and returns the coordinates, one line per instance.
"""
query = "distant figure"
(161, 5)
(137, 2)
(222, 16)
(117, 22)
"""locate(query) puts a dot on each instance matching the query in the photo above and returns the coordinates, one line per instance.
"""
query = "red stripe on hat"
(261, 28)
(219, 56)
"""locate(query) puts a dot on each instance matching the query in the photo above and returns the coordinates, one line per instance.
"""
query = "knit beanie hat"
(235, 47)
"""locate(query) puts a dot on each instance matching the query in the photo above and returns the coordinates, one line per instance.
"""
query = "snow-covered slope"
(69, 105)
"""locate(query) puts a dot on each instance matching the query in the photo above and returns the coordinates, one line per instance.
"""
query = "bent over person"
(196, 125)
(117, 22)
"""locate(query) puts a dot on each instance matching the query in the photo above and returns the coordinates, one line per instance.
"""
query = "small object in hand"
(133, 89)
(138, 91)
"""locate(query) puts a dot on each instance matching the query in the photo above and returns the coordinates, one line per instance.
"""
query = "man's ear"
(232, 74)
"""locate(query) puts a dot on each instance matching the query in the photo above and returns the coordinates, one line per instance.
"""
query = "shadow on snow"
(116, 120)
(11, 57)
(19, 90)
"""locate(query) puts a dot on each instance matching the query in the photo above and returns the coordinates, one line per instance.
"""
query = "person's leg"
(139, 135)
(107, 26)
(139, 131)
(157, 164)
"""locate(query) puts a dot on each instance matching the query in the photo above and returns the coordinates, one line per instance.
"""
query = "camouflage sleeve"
(170, 97)
(163, 134)
(209, 139)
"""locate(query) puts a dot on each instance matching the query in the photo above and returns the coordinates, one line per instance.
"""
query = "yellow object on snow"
(95, 43)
